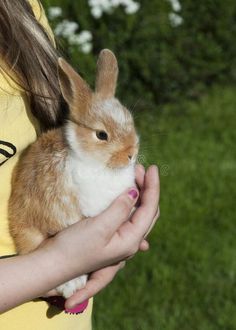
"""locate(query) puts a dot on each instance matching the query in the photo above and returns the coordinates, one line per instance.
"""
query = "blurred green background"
(177, 75)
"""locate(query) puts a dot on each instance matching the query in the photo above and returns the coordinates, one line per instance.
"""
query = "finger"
(96, 283)
(117, 213)
(93, 286)
(122, 264)
(144, 246)
(139, 175)
(156, 217)
(143, 217)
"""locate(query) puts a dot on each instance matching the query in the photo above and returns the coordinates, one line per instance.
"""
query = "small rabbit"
(75, 171)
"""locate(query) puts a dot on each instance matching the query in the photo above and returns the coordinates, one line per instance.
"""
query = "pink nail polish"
(133, 193)
(78, 308)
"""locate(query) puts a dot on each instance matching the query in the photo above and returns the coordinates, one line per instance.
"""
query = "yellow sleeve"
(17, 131)
(42, 18)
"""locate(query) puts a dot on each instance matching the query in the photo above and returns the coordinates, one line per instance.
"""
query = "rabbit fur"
(75, 171)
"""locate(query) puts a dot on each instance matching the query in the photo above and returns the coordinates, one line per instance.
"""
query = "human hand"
(102, 277)
(106, 236)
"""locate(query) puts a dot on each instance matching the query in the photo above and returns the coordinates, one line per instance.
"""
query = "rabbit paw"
(69, 288)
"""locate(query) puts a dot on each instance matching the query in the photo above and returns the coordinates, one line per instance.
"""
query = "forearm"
(24, 278)
(82, 248)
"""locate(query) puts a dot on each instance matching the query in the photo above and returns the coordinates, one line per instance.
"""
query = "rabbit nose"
(130, 157)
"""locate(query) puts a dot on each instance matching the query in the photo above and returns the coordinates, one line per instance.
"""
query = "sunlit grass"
(188, 278)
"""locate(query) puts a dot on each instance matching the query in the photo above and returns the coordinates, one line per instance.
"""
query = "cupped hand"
(112, 237)
(102, 277)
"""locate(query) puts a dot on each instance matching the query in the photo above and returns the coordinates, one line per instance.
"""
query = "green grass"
(188, 278)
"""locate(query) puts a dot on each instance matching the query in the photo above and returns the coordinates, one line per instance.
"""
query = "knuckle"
(134, 250)
(133, 247)
(103, 233)
(100, 231)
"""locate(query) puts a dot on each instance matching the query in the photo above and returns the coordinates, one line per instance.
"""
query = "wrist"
(60, 260)
(51, 262)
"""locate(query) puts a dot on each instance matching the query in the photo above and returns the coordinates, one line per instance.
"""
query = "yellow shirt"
(17, 131)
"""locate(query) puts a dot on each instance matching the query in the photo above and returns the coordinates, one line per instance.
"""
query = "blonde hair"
(31, 57)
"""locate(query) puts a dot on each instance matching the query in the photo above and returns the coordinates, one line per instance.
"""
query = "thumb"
(117, 213)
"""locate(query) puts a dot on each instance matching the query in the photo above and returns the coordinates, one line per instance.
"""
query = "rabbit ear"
(74, 89)
(107, 73)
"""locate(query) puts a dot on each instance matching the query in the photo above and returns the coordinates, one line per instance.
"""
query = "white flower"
(74, 39)
(81, 38)
(86, 48)
(175, 19)
(66, 28)
(54, 12)
(115, 3)
(132, 8)
(96, 12)
(85, 36)
(98, 7)
(176, 6)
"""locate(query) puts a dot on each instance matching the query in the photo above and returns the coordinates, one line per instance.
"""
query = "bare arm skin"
(71, 253)
(23, 278)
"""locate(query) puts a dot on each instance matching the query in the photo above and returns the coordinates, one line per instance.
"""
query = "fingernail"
(79, 308)
(133, 193)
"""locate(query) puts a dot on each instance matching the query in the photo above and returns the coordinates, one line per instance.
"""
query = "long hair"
(31, 60)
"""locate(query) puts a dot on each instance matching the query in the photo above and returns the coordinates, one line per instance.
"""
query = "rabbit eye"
(102, 135)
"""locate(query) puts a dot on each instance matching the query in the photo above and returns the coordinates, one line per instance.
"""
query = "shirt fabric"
(17, 130)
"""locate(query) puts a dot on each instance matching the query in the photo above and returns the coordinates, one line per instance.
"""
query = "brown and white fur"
(70, 173)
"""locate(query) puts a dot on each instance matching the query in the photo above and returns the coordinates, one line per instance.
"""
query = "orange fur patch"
(37, 192)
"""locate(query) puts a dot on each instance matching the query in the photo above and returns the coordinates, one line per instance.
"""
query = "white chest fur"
(96, 186)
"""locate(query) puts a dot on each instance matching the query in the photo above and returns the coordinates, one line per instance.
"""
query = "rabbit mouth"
(121, 159)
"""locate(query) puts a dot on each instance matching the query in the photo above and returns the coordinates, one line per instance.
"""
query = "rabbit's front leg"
(69, 288)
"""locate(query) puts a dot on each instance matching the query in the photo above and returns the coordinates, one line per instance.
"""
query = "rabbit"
(75, 171)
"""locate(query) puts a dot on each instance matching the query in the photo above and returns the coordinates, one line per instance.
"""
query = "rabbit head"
(100, 128)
